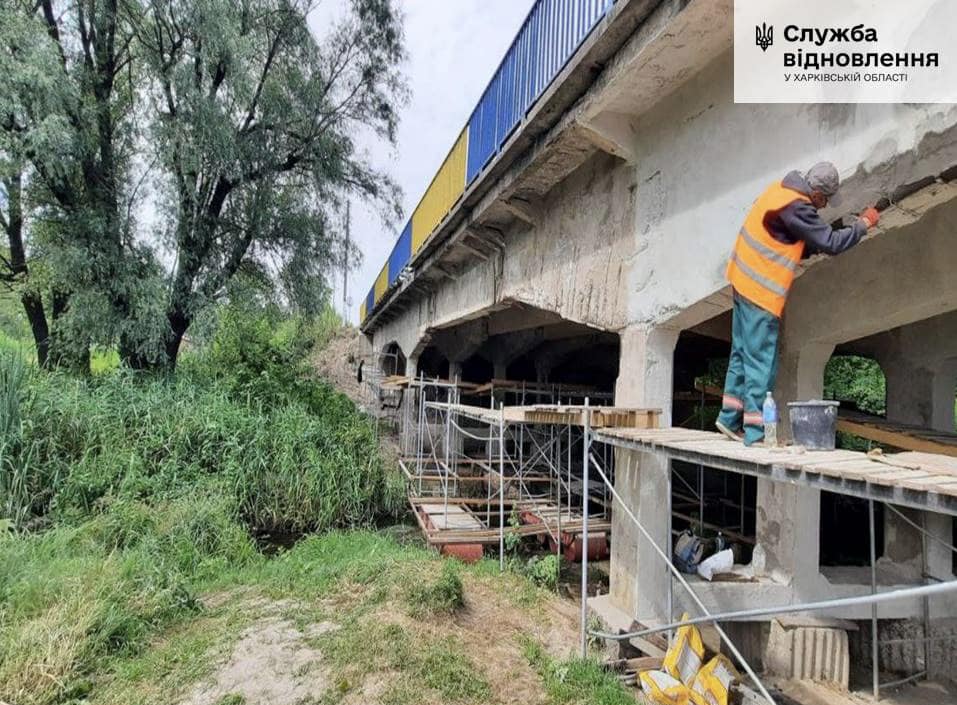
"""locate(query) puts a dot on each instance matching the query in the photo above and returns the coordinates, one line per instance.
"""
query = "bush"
(543, 570)
(148, 491)
(310, 464)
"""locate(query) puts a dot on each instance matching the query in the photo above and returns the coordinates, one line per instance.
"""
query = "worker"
(782, 227)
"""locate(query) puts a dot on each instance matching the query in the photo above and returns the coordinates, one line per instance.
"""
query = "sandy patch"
(271, 664)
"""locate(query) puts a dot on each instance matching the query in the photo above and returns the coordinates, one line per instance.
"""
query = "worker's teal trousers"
(752, 368)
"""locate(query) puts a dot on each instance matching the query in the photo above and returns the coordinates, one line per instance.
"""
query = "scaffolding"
(922, 484)
(382, 386)
(479, 473)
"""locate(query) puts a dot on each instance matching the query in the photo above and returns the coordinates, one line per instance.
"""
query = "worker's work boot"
(754, 438)
(733, 435)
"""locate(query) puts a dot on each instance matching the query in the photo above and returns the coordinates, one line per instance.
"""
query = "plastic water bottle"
(769, 414)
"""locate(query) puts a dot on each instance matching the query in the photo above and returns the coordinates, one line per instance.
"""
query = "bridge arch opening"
(392, 360)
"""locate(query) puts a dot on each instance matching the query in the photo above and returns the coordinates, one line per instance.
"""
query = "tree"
(65, 112)
(255, 129)
(15, 272)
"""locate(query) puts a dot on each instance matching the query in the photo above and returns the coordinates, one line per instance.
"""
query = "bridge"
(578, 234)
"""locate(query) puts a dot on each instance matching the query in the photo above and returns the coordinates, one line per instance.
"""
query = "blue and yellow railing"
(550, 35)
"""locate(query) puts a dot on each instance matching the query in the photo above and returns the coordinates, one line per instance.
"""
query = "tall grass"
(19, 474)
(293, 467)
(131, 494)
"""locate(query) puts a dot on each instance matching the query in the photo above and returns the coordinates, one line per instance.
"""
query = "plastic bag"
(663, 689)
(720, 562)
(684, 657)
(712, 685)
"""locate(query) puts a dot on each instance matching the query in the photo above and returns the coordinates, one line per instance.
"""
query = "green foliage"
(133, 494)
(444, 595)
(544, 571)
(245, 117)
(513, 539)
(575, 681)
(858, 380)
(22, 482)
(304, 465)
(231, 699)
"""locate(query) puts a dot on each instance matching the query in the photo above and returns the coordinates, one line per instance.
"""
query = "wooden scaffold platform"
(475, 474)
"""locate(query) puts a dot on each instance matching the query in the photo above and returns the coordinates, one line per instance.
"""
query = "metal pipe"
(586, 427)
(501, 487)
(904, 680)
(671, 582)
(875, 670)
(925, 603)
(835, 604)
(694, 596)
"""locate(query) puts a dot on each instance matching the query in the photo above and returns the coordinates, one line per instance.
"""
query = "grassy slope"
(88, 623)
(136, 569)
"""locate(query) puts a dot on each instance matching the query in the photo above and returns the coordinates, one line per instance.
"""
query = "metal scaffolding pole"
(586, 430)
(875, 671)
(501, 487)
(668, 546)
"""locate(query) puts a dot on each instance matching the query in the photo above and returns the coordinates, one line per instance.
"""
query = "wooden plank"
(898, 437)
(942, 484)
(943, 464)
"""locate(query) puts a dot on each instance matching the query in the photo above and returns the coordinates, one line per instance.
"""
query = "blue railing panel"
(550, 35)
(401, 253)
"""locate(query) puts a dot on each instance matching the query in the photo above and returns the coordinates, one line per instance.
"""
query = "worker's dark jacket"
(800, 221)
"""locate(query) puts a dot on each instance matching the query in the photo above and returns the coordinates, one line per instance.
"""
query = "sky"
(453, 48)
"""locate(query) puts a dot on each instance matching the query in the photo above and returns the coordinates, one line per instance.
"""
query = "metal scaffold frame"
(525, 467)
(384, 400)
(874, 599)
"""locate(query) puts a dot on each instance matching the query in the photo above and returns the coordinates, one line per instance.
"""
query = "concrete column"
(789, 517)
(787, 529)
(939, 558)
(412, 366)
(639, 578)
(910, 390)
(499, 370)
(645, 370)
(800, 374)
(942, 408)
(455, 369)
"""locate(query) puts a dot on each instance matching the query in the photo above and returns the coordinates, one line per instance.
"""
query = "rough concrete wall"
(702, 160)
(571, 263)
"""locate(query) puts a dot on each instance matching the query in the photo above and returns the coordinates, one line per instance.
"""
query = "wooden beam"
(898, 437)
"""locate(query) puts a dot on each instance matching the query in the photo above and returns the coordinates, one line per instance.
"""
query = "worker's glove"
(870, 216)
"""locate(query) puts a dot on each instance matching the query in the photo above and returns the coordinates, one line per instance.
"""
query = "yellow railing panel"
(443, 192)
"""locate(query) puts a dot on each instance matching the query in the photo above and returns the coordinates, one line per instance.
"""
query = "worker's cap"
(823, 177)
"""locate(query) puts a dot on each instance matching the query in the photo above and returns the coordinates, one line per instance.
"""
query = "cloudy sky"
(453, 48)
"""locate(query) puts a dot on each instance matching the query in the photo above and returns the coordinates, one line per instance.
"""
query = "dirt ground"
(337, 363)
(275, 662)
(271, 663)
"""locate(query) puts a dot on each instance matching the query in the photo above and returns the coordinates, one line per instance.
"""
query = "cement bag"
(662, 689)
(720, 562)
(684, 657)
(712, 686)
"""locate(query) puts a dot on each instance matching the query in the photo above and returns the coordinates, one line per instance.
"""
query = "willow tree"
(67, 136)
(256, 121)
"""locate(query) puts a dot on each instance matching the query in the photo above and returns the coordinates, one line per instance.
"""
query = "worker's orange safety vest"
(761, 269)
